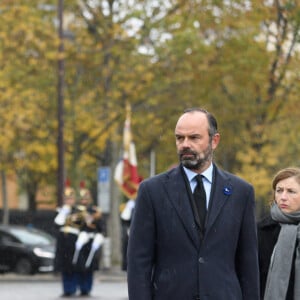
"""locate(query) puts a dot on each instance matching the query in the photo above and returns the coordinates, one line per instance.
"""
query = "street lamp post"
(60, 112)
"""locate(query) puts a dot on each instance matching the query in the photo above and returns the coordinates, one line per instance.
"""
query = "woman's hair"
(284, 174)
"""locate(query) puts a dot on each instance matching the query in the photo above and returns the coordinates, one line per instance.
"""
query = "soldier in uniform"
(87, 254)
(69, 222)
(126, 217)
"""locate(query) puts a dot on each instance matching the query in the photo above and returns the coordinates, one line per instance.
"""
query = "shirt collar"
(208, 173)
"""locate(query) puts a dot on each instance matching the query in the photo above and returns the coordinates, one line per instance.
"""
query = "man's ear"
(215, 141)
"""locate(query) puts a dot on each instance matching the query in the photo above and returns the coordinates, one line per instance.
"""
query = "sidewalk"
(112, 274)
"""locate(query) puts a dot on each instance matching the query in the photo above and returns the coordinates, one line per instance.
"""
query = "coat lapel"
(179, 197)
(221, 190)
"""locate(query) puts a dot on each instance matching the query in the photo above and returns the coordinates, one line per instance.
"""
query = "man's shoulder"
(233, 177)
(163, 176)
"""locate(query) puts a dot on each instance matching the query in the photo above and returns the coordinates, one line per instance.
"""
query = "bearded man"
(193, 232)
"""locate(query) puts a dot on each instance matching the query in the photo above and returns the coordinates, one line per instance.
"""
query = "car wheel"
(24, 266)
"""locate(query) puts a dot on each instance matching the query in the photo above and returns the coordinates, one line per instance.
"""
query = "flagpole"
(152, 162)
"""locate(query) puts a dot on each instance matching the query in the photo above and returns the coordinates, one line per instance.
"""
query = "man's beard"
(195, 161)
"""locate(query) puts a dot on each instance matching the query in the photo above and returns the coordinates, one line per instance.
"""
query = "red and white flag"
(126, 173)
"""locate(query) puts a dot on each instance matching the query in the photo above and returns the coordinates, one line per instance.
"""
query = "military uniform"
(69, 222)
(126, 217)
(87, 254)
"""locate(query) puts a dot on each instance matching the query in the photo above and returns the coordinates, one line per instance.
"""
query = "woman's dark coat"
(268, 231)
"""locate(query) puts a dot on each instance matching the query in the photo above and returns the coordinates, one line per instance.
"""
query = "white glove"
(127, 212)
(97, 242)
(61, 217)
(66, 209)
(82, 239)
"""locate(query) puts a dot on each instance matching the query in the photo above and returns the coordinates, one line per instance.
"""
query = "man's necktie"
(200, 199)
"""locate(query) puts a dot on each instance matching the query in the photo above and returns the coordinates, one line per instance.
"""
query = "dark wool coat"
(268, 231)
(168, 258)
(65, 247)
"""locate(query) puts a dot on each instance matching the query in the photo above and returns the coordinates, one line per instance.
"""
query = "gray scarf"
(282, 257)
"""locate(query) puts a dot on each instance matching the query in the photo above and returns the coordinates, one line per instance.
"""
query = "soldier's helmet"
(69, 196)
(85, 195)
(69, 192)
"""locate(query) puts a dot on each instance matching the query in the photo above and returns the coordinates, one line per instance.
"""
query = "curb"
(101, 275)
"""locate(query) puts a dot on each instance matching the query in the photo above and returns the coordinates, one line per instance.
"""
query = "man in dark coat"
(171, 255)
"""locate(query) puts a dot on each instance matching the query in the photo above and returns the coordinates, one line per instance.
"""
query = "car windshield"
(32, 237)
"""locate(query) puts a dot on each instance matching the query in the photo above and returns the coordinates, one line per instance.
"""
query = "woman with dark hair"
(278, 239)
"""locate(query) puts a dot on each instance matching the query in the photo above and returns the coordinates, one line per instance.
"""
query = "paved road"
(49, 288)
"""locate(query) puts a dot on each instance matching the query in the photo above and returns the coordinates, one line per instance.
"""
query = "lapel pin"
(227, 190)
